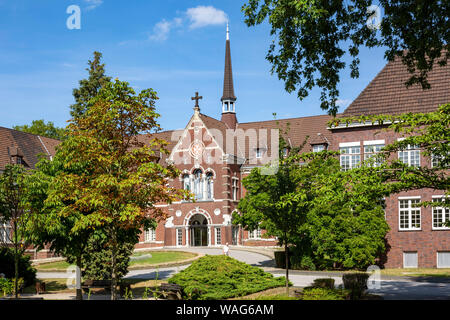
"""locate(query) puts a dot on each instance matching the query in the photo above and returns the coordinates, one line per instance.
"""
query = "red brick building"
(215, 155)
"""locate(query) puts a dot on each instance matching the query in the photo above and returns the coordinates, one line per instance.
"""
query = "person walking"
(226, 249)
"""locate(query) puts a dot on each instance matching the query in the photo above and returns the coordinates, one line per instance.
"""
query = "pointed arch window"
(198, 184)
(209, 185)
(186, 182)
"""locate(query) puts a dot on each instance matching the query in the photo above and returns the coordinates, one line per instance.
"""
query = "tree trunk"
(113, 265)
(16, 262)
(286, 257)
(79, 291)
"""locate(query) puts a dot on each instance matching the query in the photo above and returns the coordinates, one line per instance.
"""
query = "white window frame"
(409, 210)
(218, 233)
(234, 188)
(437, 259)
(5, 232)
(444, 211)
(179, 237)
(351, 154)
(404, 260)
(408, 155)
(209, 196)
(150, 235)
(371, 149)
(254, 234)
(318, 147)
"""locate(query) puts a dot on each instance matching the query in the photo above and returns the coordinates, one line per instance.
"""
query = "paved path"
(398, 288)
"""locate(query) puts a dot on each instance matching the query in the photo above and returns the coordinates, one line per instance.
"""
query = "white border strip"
(349, 144)
(373, 142)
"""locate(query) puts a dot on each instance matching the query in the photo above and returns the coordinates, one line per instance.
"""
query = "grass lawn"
(420, 272)
(158, 257)
(51, 286)
(271, 294)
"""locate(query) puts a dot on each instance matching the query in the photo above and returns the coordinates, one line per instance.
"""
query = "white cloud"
(161, 30)
(343, 102)
(92, 4)
(203, 16)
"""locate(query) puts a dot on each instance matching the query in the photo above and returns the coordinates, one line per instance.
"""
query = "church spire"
(228, 98)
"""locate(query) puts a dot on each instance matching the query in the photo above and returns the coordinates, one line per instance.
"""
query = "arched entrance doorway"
(198, 229)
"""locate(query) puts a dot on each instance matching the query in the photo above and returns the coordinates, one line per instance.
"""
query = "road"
(399, 288)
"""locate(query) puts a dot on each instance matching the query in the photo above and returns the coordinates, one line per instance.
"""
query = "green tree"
(123, 179)
(267, 204)
(39, 127)
(312, 39)
(89, 87)
(46, 227)
(12, 211)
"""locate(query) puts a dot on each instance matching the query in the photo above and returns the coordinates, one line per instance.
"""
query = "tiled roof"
(299, 129)
(387, 93)
(27, 144)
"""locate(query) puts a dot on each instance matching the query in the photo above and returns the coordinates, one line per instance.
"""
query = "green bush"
(221, 277)
(324, 294)
(6, 286)
(26, 271)
(356, 283)
(297, 260)
(324, 283)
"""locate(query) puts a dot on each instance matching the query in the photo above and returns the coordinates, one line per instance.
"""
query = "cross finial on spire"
(196, 98)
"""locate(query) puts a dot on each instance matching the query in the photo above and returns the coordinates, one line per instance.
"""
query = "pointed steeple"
(228, 89)
(228, 98)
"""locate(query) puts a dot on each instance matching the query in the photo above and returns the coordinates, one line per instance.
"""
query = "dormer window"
(319, 147)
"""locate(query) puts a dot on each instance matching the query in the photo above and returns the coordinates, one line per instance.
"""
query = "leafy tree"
(267, 203)
(312, 38)
(123, 179)
(39, 127)
(47, 227)
(89, 87)
(346, 227)
(12, 211)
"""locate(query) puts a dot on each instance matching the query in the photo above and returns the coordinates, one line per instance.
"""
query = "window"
(410, 156)
(370, 151)
(150, 235)
(441, 215)
(218, 236)
(234, 188)
(179, 237)
(443, 259)
(258, 153)
(198, 184)
(285, 152)
(209, 185)
(436, 160)
(255, 234)
(5, 232)
(318, 147)
(186, 182)
(350, 157)
(410, 260)
(409, 215)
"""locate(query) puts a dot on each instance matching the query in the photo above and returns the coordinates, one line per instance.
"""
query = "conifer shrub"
(324, 294)
(221, 277)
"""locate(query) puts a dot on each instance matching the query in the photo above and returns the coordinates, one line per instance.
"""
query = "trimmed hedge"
(220, 277)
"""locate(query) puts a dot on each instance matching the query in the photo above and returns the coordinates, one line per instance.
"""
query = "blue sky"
(175, 47)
